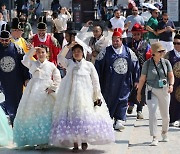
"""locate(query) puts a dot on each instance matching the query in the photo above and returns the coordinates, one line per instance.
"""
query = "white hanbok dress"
(33, 120)
(75, 119)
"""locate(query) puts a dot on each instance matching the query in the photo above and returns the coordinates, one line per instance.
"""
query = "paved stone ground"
(140, 140)
(135, 139)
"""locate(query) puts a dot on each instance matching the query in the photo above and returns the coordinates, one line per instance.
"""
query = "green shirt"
(153, 23)
(150, 71)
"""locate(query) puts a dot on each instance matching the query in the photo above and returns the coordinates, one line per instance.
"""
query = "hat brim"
(140, 31)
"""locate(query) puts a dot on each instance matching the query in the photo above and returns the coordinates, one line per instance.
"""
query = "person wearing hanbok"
(80, 114)
(44, 38)
(174, 58)
(16, 33)
(6, 133)
(142, 49)
(13, 74)
(97, 41)
(118, 70)
(34, 116)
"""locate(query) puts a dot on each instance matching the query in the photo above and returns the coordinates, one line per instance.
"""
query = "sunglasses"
(134, 10)
(165, 19)
(161, 51)
(156, 12)
(176, 43)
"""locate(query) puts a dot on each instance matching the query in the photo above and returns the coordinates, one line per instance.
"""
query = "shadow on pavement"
(122, 141)
(175, 129)
(140, 144)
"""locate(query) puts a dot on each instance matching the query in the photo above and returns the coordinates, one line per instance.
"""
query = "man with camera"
(158, 75)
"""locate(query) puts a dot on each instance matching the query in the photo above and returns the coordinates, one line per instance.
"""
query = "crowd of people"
(65, 88)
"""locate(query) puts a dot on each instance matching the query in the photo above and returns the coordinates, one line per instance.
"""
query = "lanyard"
(157, 68)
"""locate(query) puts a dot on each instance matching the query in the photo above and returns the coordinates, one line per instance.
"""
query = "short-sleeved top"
(150, 71)
(134, 19)
(153, 23)
(118, 23)
(167, 35)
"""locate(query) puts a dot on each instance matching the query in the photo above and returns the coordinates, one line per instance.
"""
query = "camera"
(162, 83)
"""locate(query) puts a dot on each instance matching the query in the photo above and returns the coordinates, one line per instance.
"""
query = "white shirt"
(118, 23)
(44, 39)
(64, 18)
(177, 53)
(119, 50)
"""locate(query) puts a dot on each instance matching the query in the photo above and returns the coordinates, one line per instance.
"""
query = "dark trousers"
(120, 112)
(59, 37)
(133, 100)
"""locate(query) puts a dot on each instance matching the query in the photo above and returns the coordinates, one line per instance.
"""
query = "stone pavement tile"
(140, 140)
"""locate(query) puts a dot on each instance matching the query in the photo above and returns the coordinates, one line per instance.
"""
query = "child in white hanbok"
(80, 114)
(34, 115)
(6, 133)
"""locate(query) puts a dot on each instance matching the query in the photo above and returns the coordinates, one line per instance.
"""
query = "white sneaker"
(177, 123)
(119, 126)
(154, 142)
(140, 115)
(164, 138)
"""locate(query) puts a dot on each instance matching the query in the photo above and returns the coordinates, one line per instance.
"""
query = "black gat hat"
(42, 23)
(16, 24)
(5, 31)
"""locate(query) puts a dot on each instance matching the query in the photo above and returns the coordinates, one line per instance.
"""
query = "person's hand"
(65, 9)
(49, 90)
(73, 43)
(98, 102)
(26, 82)
(138, 96)
(169, 28)
(88, 23)
(128, 23)
(29, 45)
(170, 90)
(136, 85)
(155, 33)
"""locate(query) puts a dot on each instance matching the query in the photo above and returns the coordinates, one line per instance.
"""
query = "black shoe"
(130, 109)
(84, 146)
